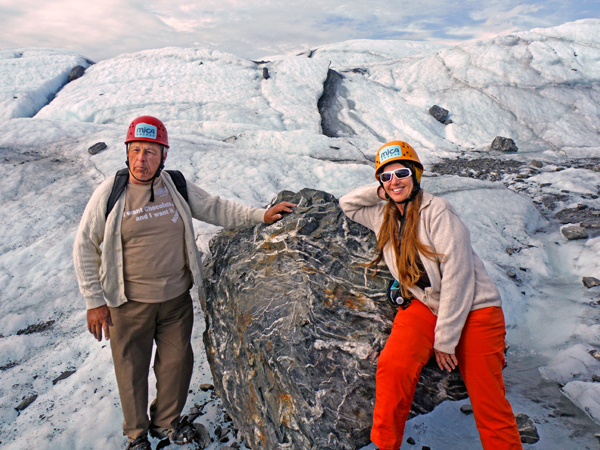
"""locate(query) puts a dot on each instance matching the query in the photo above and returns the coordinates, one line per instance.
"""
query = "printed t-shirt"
(154, 260)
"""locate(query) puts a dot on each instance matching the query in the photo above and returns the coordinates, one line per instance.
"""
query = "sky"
(255, 28)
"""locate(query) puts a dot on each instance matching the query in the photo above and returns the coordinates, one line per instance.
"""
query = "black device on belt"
(394, 294)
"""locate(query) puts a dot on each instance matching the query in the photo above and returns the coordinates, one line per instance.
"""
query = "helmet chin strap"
(156, 174)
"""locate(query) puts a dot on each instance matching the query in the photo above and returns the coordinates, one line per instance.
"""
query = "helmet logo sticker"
(144, 130)
(392, 151)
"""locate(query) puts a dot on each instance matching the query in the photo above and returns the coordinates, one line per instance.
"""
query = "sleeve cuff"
(258, 216)
(91, 303)
(445, 345)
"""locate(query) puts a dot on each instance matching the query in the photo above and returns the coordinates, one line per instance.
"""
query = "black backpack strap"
(180, 183)
(121, 179)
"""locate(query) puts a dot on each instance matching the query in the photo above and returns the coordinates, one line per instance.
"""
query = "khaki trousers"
(136, 326)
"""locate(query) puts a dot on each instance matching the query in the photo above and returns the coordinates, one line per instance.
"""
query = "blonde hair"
(409, 244)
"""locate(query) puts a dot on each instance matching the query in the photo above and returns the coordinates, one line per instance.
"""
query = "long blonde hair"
(409, 244)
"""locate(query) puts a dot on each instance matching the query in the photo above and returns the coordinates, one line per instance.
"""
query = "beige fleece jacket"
(459, 281)
(98, 255)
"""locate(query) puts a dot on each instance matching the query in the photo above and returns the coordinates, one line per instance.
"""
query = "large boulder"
(294, 327)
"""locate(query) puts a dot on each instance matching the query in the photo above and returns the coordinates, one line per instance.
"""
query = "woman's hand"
(445, 360)
(381, 193)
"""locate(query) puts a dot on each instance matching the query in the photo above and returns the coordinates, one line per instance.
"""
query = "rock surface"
(481, 168)
(466, 409)
(586, 217)
(37, 328)
(590, 282)
(537, 164)
(294, 329)
(9, 365)
(97, 148)
(202, 438)
(574, 233)
(26, 402)
(440, 114)
(527, 429)
(76, 72)
(63, 376)
(503, 144)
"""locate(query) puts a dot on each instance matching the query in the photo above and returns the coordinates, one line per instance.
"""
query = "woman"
(450, 305)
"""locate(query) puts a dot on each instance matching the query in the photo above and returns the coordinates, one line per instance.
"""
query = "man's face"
(144, 159)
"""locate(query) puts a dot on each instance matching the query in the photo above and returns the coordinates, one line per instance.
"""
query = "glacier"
(245, 137)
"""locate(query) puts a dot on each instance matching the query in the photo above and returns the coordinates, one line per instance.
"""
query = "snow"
(30, 78)
(215, 93)
(540, 91)
(588, 261)
(573, 180)
(245, 137)
(573, 362)
(586, 396)
(356, 53)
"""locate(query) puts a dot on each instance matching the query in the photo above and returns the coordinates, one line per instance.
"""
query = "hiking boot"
(141, 443)
(181, 434)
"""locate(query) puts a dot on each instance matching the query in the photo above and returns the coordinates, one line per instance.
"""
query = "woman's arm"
(364, 205)
(451, 237)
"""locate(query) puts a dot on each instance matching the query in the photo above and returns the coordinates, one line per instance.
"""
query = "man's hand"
(98, 320)
(446, 360)
(272, 214)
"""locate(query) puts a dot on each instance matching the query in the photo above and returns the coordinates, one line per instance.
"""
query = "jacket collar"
(427, 197)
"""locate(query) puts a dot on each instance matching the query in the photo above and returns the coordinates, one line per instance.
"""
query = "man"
(136, 286)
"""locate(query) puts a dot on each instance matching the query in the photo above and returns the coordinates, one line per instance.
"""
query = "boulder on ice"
(294, 327)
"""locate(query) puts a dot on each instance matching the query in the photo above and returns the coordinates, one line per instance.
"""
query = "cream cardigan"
(459, 281)
(99, 270)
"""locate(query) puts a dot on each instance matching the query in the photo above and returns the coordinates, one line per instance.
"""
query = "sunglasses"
(398, 173)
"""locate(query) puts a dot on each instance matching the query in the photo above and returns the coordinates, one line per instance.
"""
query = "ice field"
(246, 130)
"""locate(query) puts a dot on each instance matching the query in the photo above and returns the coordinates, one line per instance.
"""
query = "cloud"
(253, 28)
(95, 29)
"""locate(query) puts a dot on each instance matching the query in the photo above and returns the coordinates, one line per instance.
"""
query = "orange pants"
(480, 354)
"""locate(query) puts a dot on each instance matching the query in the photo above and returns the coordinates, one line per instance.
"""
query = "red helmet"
(147, 128)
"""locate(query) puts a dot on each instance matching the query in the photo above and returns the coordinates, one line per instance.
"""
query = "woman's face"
(398, 189)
